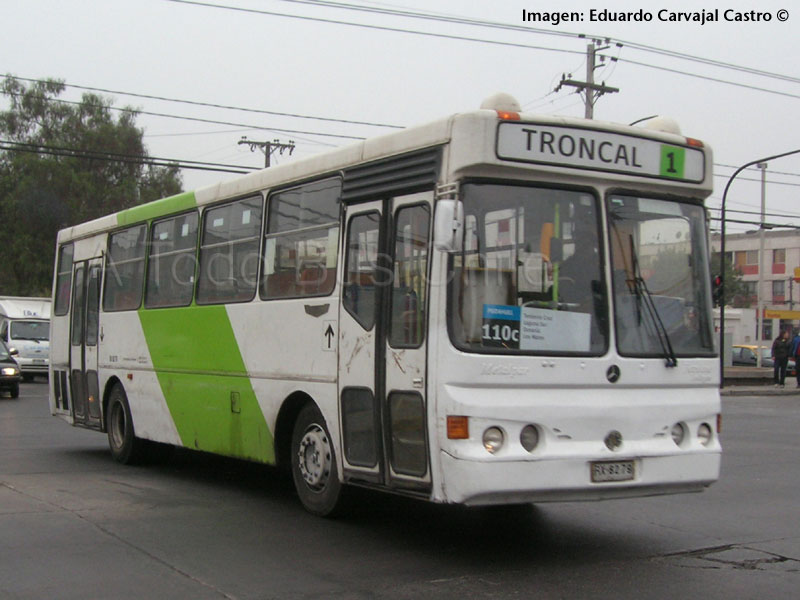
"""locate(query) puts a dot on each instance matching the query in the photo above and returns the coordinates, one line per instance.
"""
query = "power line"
(46, 149)
(708, 78)
(540, 31)
(767, 170)
(786, 213)
(641, 47)
(436, 17)
(765, 225)
(200, 120)
(766, 214)
(209, 104)
(707, 61)
(376, 27)
(275, 113)
(758, 180)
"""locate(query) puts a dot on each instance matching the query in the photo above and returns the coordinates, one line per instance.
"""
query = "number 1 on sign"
(672, 161)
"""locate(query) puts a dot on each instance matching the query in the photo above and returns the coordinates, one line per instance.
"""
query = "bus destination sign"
(599, 151)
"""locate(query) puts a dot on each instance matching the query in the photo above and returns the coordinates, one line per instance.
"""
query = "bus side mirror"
(448, 226)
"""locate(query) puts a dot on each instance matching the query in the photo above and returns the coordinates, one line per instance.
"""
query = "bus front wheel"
(314, 470)
(126, 448)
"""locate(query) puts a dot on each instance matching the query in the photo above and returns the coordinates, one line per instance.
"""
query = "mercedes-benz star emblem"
(613, 373)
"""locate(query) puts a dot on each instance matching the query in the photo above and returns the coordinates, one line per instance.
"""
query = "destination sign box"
(598, 151)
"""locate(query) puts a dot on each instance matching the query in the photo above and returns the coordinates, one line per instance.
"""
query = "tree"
(734, 290)
(62, 163)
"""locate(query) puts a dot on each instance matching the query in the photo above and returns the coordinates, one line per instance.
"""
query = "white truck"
(25, 325)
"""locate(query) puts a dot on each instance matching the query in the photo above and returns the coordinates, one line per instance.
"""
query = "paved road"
(75, 525)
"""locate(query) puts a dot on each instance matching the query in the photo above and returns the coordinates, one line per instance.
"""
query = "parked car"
(9, 371)
(744, 355)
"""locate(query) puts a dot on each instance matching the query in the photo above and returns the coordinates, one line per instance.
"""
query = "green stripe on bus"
(159, 208)
(205, 383)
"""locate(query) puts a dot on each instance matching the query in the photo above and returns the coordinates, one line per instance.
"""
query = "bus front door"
(383, 343)
(84, 337)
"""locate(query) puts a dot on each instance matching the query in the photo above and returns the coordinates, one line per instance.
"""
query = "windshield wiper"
(643, 296)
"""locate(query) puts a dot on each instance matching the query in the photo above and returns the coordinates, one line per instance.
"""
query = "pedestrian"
(795, 353)
(781, 348)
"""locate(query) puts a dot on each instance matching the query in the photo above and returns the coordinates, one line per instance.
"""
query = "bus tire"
(314, 470)
(126, 448)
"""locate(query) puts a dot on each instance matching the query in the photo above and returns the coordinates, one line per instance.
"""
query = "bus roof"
(485, 121)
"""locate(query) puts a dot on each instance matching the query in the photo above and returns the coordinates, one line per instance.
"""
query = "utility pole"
(761, 261)
(268, 148)
(591, 90)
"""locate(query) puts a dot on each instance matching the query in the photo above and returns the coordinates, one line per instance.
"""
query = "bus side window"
(171, 268)
(361, 264)
(63, 279)
(229, 252)
(302, 241)
(407, 325)
(124, 275)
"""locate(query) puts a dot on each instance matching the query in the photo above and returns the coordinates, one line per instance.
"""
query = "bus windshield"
(660, 277)
(530, 276)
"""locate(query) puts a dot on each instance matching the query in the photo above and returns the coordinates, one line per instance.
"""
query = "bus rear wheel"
(314, 470)
(126, 448)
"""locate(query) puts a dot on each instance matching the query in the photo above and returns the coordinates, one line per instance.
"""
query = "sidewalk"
(790, 389)
(750, 381)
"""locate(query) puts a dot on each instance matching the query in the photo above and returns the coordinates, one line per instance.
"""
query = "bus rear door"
(84, 339)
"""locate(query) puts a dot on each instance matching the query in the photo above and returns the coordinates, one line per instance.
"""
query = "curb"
(760, 390)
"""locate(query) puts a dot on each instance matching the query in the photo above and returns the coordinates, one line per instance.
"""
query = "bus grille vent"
(406, 173)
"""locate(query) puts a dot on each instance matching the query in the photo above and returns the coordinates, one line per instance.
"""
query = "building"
(780, 292)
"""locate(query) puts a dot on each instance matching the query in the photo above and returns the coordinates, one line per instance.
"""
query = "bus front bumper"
(478, 483)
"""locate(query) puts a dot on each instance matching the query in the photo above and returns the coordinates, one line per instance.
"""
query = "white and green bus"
(491, 308)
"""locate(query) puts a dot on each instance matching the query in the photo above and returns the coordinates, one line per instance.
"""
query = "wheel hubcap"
(314, 457)
(117, 425)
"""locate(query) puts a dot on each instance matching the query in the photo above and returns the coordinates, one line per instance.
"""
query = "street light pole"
(722, 256)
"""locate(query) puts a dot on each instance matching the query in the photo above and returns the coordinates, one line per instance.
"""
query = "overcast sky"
(337, 72)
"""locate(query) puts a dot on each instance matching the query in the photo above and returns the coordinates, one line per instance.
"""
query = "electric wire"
(51, 150)
(540, 31)
(375, 27)
(709, 78)
(209, 104)
(527, 29)
(135, 111)
(641, 47)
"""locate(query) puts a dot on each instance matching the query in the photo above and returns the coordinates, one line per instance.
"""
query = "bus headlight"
(529, 438)
(678, 433)
(493, 439)
(704, 434)
(10, 371)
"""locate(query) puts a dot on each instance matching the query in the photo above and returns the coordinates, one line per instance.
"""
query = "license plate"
(621, 470)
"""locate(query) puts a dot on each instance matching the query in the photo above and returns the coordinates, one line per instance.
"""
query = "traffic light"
(716, 289)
